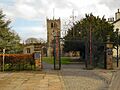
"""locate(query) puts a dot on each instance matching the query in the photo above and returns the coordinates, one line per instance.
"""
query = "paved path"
(30, 81)
(82, 80)
(71, 77)
(115, 84)
(75, 78)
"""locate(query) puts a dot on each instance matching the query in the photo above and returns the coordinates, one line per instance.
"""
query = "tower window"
(52, 25)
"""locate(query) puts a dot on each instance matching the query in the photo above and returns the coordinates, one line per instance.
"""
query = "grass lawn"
(50, 60)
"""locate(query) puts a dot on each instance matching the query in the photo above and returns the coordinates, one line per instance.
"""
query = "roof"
(32, 44)
(116, 21)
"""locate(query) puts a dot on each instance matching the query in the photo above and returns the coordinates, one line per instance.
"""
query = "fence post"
(3, 59)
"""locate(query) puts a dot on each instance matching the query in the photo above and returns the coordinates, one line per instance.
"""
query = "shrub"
(17, 62)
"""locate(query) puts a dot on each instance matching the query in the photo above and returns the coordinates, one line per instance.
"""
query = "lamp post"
(54, 34)
(117, 30)
(86, 52)
(57, 55)
(90, 46)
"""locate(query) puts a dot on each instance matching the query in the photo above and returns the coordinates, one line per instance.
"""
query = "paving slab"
(71, 77)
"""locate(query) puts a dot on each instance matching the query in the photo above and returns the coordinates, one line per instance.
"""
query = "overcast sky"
(29, 16)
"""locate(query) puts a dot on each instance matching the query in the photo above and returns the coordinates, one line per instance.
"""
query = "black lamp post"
(57, 54)
(54, 49)
(117, 30)
(86, 52)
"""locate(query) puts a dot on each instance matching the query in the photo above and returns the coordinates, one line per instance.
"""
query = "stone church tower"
(53, 30)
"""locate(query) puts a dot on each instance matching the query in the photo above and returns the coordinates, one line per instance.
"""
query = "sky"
(29, 16)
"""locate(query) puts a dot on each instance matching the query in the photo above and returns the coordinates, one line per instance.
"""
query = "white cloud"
(32, 9)
(38, 10)
(84, 3)
(37, 32)
(103, 10)
(26, 11)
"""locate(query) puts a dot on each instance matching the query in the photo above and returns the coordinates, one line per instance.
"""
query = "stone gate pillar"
(109, 54)
(38, 60)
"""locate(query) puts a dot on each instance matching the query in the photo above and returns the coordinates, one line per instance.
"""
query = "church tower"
(53, 30)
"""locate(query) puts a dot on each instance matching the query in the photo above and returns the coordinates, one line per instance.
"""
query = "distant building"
(53, 27)
(31, 48)
(35, 47)
(116, 23)
(28, 49)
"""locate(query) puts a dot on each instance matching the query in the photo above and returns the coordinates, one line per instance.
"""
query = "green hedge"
(17, 62)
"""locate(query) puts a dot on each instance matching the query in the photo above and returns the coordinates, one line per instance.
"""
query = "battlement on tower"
(53, 19)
